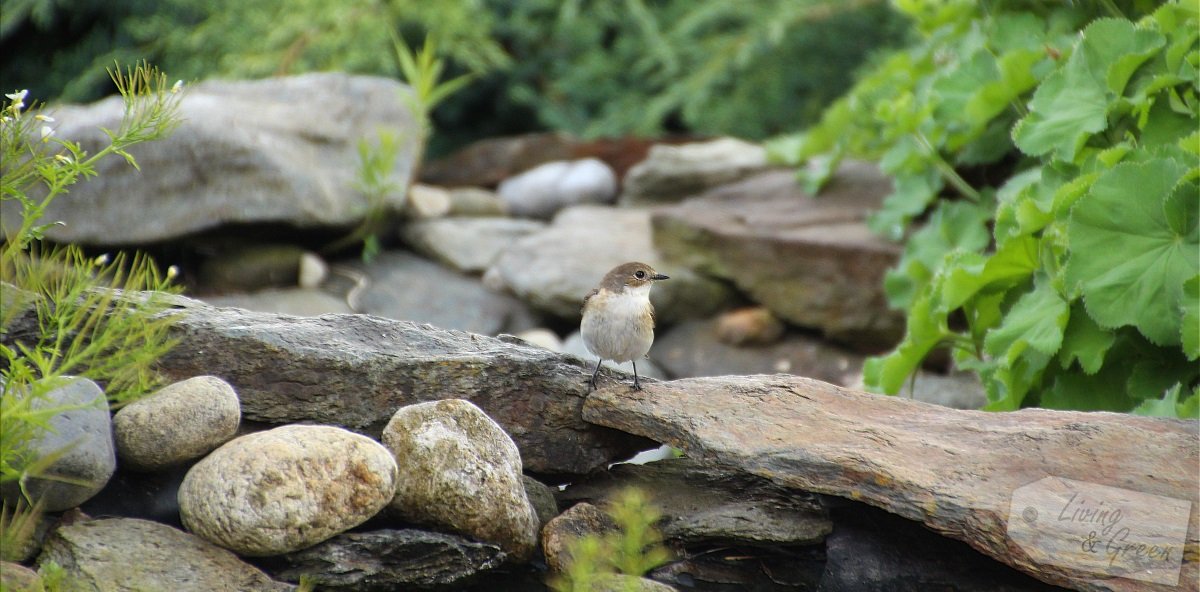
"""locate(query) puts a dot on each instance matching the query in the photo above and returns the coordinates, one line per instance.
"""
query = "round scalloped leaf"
(1133, 241)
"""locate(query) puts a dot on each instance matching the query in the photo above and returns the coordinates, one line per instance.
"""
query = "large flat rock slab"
(959, 472)
(354, 371)
(275, 151)
(811, 260)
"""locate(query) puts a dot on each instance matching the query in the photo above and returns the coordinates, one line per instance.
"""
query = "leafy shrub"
(632, 550)
(1050, 154)
(591, 67)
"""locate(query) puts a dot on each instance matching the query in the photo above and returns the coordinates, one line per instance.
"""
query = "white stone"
(543, 190)
(285, 489)
(180, 422)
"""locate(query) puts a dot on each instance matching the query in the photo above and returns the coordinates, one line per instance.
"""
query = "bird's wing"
(588, 297)
(653, 322)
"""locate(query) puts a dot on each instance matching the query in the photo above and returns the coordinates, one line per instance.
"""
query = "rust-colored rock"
(954, 470)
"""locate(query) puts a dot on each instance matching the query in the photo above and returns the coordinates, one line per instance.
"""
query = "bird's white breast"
(619, 326)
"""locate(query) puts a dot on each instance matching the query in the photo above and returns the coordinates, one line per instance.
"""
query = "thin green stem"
(947, 171)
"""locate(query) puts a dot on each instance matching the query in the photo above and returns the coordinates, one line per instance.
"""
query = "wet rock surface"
(389, 559)
(702, 504)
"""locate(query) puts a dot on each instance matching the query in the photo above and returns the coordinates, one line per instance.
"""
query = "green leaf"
(1015, 78)
(1167, 406)
(1156, 370)
(1190, 331)
(1084, 341)
(912, 194)
(1127, 258)
(1067, 107)
(925, 329)
(1010, 265)
(1102, 391)
(1037, 320)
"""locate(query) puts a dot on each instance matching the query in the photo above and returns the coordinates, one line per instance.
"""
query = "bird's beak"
(659, 276)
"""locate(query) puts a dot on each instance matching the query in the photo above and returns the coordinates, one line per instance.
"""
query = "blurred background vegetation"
(589, 67)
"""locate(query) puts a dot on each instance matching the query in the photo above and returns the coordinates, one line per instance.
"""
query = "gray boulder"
(354, 371)
(467, 244)
(273, 151)
(80, 437)
(304, 302)
(461, 472)
(180, 422)
(285, 489)
(403, 286)
(555, 268)
(132, 554)
(548, 188)
(671, 173)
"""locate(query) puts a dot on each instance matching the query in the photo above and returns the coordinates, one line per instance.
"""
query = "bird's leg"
(637, 386)
(592, 382)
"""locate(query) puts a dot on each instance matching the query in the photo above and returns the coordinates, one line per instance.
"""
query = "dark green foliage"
(591, 67)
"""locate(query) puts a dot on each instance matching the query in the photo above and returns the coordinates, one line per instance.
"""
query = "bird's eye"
(641, 275)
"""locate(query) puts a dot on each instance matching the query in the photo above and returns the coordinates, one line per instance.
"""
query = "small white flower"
(172, 271)
(45, 118)
(101, 260)
(47, 131)
(177, 86)
(5, 119)
(18, 98)
(63, 158)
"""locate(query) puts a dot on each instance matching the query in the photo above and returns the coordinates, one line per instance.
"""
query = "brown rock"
(354, 371)
(956, 471)
(579, 521)
(812, 261)
(488, 162)
(693, 348)
(753, 325)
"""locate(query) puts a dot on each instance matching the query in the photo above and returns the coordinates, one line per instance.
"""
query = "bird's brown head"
(632, 275)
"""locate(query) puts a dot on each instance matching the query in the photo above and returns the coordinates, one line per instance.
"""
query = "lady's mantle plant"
(1052, 157)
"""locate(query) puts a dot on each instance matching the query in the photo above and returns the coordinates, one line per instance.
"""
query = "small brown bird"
(618, 319)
